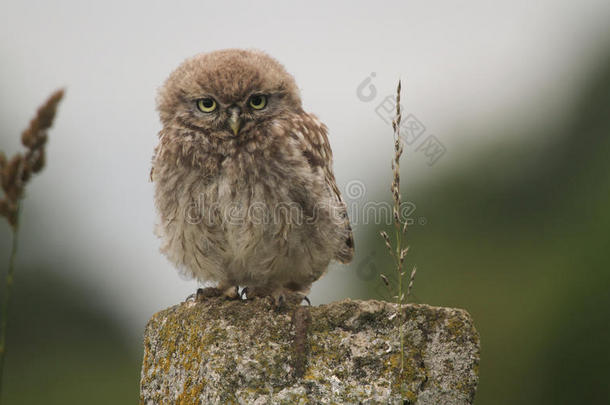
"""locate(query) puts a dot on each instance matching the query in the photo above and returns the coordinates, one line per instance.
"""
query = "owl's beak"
(234, 121)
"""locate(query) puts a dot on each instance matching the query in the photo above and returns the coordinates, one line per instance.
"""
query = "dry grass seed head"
(17, 171)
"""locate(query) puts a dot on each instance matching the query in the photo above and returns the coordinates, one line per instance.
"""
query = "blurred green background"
(521, 238)
(517, 227)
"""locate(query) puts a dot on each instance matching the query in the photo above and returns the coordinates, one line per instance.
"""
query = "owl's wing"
(318, 153)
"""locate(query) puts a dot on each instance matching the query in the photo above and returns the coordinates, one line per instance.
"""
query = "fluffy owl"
(244, 184)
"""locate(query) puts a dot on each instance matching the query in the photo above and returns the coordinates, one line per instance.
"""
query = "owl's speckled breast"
(246, 224)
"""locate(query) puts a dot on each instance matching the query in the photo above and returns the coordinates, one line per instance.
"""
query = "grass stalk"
(15, 173)
(399, 249)
(8, 289)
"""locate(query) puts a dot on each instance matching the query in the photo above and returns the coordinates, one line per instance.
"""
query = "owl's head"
(225, 93)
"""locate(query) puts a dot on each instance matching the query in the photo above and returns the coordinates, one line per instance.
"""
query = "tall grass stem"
(8, 289)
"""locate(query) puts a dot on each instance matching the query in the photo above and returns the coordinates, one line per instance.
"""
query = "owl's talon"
(230, 293)
(203, 294)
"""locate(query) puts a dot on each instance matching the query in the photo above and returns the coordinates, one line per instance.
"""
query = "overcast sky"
(464, 67)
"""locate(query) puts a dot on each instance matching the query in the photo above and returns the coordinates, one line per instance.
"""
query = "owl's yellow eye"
(258, 101)
(206, 105)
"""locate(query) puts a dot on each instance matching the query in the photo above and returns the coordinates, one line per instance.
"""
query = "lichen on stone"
(242, 352)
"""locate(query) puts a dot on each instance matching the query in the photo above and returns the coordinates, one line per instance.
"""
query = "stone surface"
(245, 352)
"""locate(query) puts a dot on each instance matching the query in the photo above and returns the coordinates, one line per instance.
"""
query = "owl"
(243, 178)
